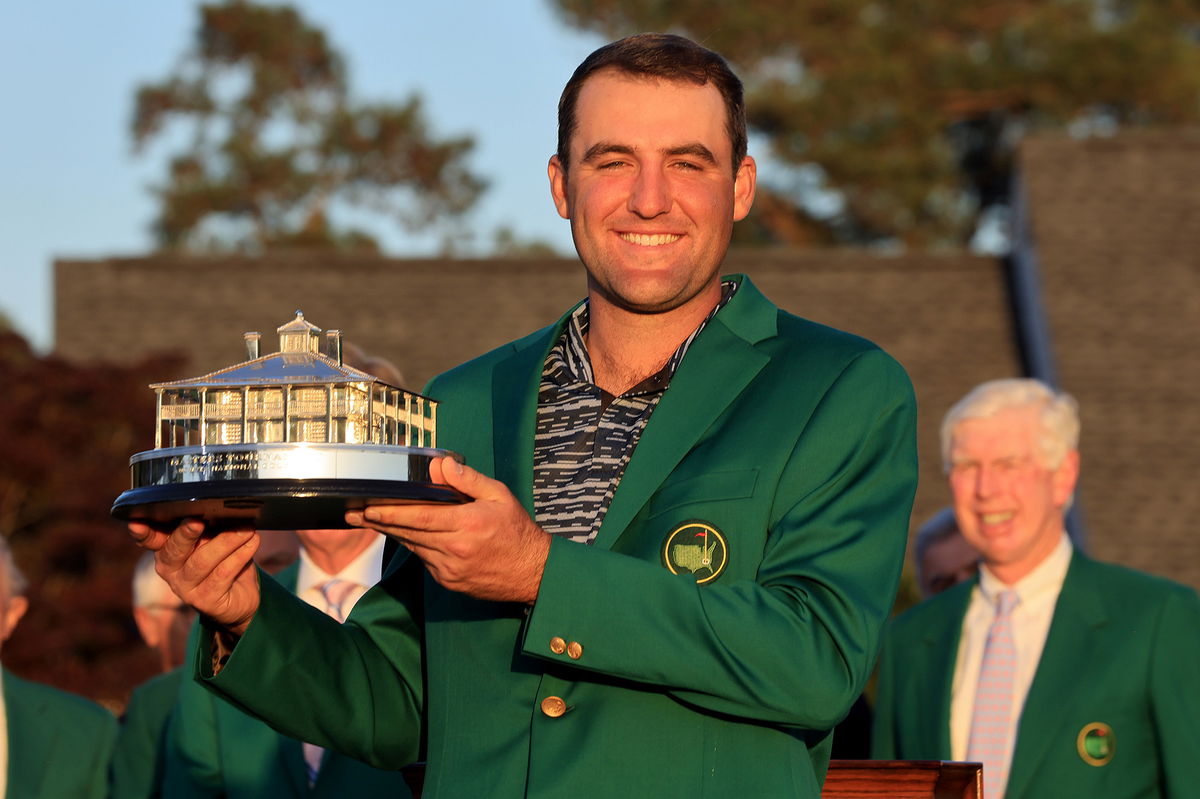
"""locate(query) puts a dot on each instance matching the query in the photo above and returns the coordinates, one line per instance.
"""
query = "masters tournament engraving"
(289, 440)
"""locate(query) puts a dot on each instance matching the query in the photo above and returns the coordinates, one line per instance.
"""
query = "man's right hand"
(214, 574)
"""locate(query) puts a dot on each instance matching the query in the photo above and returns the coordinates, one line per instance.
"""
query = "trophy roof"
(280, 368)
(298, 325)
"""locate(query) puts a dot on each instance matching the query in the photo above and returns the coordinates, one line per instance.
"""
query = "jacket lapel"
(719, 364)
(929, 704)
(1071, 640)
(515, 383)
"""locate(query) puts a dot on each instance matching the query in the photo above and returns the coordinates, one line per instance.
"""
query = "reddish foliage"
(66, 434)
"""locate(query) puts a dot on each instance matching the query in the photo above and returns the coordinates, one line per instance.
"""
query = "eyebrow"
(694, 149)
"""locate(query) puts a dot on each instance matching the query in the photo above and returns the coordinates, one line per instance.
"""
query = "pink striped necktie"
(990, 741)
(335, 592)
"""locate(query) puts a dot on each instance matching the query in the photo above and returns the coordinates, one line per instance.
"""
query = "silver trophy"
(290, 440)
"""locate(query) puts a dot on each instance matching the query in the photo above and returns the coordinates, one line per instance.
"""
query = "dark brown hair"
(665, 56)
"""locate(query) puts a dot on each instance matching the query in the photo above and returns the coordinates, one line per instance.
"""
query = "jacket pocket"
(707, 487)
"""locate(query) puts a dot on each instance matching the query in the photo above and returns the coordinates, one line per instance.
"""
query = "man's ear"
(558, 186)
(745, 183)
(1065, 478)
(17, 606)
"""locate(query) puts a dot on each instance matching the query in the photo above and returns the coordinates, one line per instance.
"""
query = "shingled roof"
(1115, 226)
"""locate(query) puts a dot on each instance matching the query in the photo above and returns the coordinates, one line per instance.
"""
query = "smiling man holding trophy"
(686, 515)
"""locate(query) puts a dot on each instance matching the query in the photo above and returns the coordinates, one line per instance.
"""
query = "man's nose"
(987, 482)
(650, 194)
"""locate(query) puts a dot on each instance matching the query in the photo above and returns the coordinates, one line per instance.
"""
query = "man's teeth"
(651, 239)
(997, 518)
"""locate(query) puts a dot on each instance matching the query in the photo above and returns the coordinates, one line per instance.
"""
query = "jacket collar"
(719, 364)
(936, 659)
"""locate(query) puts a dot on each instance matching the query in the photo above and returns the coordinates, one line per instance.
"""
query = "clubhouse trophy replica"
(290, 440)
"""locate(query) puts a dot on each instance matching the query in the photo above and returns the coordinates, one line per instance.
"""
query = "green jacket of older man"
(1114, 707)
(59, 744)
(783, 452)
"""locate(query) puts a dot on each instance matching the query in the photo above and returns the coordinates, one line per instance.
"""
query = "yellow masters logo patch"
(696, 548)
(1096, 743)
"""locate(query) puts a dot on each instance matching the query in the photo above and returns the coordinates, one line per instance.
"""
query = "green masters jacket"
(724, 619)
(137, 763)
(216, 750)
(59, 744)
(1114, 707)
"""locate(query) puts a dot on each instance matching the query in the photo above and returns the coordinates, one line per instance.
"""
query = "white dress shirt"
(365, 570)
(1031, 618)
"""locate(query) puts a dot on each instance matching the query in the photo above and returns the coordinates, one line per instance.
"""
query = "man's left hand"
(488, 548)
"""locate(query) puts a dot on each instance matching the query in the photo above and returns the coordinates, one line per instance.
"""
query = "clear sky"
(71, 186)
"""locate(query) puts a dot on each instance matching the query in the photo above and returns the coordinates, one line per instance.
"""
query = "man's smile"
(650, 239)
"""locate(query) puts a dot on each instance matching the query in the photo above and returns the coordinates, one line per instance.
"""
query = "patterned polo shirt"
(585, 436)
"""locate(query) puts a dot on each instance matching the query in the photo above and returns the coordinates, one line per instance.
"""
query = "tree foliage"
(66, 434)
(275, 141)
(911, 110)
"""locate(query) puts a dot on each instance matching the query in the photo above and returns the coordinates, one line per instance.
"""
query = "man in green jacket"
(52, 743)
(689, 507)
(1087, 686)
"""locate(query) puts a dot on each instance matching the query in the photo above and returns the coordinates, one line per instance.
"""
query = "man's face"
(1009, 506)
(946, 563)
(651, 190)
(164, 626)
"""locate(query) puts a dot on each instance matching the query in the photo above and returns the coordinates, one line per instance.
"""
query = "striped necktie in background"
(989, 742)
(336, 593)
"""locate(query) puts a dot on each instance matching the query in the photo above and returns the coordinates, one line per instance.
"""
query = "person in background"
(942, 556)
(163, 621)
(52, 743)
(1064, 676)
(214, 749)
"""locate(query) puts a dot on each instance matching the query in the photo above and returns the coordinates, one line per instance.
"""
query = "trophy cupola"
(299, 335)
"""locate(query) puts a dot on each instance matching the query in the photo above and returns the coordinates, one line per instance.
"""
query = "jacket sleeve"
(796, 644)
(319, 681)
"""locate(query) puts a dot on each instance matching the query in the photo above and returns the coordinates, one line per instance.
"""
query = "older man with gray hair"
(1062, 675)
(52, 743)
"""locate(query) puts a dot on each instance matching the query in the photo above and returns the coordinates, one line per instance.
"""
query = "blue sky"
(71, 186)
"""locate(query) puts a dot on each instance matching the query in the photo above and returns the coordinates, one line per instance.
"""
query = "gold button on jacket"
(553, 706)
(558, 645)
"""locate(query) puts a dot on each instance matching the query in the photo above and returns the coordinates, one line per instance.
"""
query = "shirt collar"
(366, 569)
(1046, 577)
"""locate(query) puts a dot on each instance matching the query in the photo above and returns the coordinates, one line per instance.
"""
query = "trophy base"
(277, 487)
(273, 504)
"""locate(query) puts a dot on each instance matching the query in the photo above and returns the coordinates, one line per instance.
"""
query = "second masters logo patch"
(696, 548)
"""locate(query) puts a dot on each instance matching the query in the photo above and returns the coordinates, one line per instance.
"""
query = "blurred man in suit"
(214, 749)
(163, 621)
(1062, 675)
(942, 556)
(52, 743)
